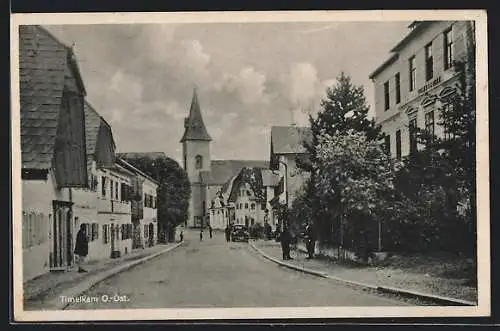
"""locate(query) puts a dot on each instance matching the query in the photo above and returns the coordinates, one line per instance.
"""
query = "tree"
(343, 110)
(357, 173)
(173, 193)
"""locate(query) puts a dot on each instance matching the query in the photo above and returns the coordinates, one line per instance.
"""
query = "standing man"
(201, 234)
(310, 241)
(81, 247)
(228, 234)
(210, 230)
(285, 239)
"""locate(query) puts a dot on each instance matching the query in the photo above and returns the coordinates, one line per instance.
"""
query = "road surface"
(216, 274)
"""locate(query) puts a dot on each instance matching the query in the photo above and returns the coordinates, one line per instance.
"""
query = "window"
(246, 205)
(447, 134)
(252, 206)
(103, 186)
(198, 162)
(387, 144)
(117, 185)
(429, 124)
(413, 73)
(146, 230)
(94, 232)
(111, 189)
(413, 135)
(126, 231)
(386, 95)
(448, 49)
(263, 206)
(429, 69)
(34, 229)
(397, 80)
(398, 144)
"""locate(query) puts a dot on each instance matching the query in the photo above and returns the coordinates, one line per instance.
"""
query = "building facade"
(417, 80)
(287, 147)
(144, 211)
(53, 150)
(207, 176)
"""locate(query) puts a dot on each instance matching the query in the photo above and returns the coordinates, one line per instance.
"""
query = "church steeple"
(194, 127)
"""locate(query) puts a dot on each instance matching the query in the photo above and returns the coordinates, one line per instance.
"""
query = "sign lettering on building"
(430, 85)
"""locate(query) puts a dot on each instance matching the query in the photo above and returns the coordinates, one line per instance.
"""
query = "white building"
(417, 79)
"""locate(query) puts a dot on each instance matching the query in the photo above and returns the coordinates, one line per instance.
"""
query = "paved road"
(215, 274)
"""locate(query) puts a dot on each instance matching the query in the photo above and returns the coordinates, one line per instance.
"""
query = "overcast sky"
(250, 76)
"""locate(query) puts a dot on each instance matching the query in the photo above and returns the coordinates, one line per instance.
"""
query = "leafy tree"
(357, 174)
(343, 110)
(173, 193)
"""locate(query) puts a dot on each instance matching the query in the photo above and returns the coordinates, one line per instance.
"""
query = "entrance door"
(61, 254)
(151, 234)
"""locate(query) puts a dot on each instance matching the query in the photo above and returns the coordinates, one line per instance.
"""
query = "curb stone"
(58, 304)
(382, 289)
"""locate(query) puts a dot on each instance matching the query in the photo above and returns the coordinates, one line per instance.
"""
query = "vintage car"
(239, 233)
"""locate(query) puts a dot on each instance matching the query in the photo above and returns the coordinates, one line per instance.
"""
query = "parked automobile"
(239, 233)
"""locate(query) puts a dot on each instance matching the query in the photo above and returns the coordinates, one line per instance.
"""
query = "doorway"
(151, 234)
(61, 252)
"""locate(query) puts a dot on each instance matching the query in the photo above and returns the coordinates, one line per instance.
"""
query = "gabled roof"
(289, 139)
(43, 64)
(137, 155)
(194, 127)
(222, 170)
(252, 176)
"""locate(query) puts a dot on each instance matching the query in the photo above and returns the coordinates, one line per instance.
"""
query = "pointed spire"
(194, 127)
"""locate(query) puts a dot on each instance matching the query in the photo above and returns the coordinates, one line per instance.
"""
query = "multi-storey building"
(287, 147)
(143, 195)
(417, 80)
(53, 150)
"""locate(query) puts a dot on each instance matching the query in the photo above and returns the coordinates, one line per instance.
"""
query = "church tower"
(196, 158)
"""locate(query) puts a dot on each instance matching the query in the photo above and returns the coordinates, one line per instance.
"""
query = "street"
(216, 274)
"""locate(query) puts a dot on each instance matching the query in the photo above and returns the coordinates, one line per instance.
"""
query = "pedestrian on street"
(228, 234)
(310, 241)
(210, 230)
(285, 239)
(81, 247)
(201, 234)
(181, 235)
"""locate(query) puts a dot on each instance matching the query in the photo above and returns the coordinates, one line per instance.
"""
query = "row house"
(102, 206)
(70, 172)
(53, 149)
(417, 80)
(142, 193)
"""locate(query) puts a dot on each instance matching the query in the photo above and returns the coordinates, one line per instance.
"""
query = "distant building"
(53, 149)
(144, 212)
(417, 80)
(206, 176)
(287, 147)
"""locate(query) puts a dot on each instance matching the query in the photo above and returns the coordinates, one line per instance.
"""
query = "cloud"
(249, 84)
(196, 60)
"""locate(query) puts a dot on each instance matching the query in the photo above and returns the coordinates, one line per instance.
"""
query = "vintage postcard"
(250, 165)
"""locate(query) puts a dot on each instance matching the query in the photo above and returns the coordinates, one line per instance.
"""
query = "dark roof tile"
(222, 170)
(43, 64)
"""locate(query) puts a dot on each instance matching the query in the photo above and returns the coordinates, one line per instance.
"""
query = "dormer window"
(198, 162)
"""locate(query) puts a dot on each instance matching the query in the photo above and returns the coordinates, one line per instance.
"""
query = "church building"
(206, 176)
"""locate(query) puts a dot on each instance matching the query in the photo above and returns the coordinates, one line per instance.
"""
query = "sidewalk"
(42, 290)
(376, 276)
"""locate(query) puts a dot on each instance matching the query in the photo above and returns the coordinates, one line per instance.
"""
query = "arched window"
(198, 162)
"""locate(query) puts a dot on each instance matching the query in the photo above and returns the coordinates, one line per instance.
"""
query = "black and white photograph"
(250, 165)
